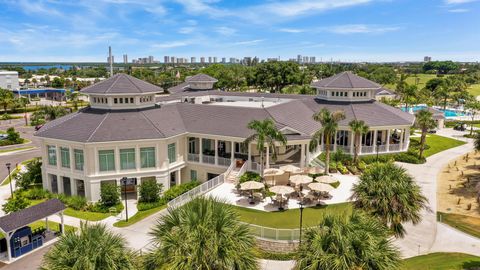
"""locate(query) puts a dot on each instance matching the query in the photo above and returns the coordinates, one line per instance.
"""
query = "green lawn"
(412, 79)
(90, 216)
(438, 143)
(14, 171)
(466, 224)
(138, 216)
(474, 89)
(16, 149)
(289, 219)
(442, 261)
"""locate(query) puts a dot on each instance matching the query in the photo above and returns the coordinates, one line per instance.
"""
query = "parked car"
(460, 127)
(37, 127)
(3, 136)
(432, 131)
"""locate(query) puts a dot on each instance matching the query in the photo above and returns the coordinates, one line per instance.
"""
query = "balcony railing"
(193, 157)
(394, 147)
(255, 167)
(224, 161)
(344, 148)
(208, 159)
(382, 148)
(367, 149)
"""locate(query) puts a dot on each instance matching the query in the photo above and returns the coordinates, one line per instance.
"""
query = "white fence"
(274, 234)
(197, 191)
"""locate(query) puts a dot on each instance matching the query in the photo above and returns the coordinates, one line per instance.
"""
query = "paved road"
(30, 262)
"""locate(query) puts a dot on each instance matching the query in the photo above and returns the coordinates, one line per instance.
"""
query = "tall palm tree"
(409, 92)
(359, 128)
(6, 98)
(203, 234)
(329, 121)
(344, 243)
(94, 247)
(388, 192)
(265, 135)
(424, 121)
(73, 96)
(474, 107)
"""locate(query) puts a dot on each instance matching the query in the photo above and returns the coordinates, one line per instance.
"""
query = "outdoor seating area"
(286, 188)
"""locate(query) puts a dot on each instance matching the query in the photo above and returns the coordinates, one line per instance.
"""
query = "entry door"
(67, 189)
(173, 179)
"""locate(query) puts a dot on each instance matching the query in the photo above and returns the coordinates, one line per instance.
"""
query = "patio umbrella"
(327, 179)
(300, 179)
(251, 185)
(282, 190)
(291, 169)
(321, 187)
(313, 170)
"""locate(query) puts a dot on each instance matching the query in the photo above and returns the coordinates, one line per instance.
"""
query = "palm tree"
(73, 96)
(266, 135)
(424, 122)
(344, 243)
(359, 128)
(329, 122)
(474, 107)
(203, 234)
(409, 92)
(6, 98)
(94, 247)
(388, 192)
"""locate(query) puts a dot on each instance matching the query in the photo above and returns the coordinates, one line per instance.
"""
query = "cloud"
(301, 7)
(459, 10)
(170, 44)
(248, 42)
(291, 30)
(37, 7)
(359, 29)
(199, 6)
(225, 31)
(456, 2)
(186, 30)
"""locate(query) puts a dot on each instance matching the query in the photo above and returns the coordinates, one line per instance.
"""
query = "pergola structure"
(9, 224)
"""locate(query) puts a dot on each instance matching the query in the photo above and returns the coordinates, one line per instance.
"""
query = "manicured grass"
(412, 79)
(7, 179)
(16, 149)
(138, 216)
(466, 224)
(289, 219)
(474, 89)
(442, 261)
(86, 215)
(438, 143)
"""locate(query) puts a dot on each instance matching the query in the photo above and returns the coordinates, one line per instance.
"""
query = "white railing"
(382, 148)
(230, 168)
(255, 167)
(274, 233)
(224, 161)
(344, 148)
(367, 149)
(277, 166)
(208, 159)
(242, 170)
(193, 157)
(394, 147)
(196, 192)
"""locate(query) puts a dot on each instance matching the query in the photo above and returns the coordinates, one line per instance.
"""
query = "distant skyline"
(345, 30)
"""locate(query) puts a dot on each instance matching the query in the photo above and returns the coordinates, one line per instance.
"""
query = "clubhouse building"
(134, 129)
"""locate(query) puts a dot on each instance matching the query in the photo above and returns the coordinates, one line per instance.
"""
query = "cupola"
(201, 82)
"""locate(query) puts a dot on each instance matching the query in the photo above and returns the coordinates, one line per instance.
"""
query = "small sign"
(128, 181)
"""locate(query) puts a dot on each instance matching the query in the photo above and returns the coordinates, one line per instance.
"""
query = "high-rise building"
(166, 59)
(299, 58)
(214, 59)
(209, 59)
(224, 60)
(173, 59)
(125, 59)
(305, 59)
(193, 59)
(202, 60)
(427, 59)
(113, 59)
(233, 60)
(312, 60)
(150, 59)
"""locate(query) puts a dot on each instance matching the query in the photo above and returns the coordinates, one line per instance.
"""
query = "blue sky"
(346, 30)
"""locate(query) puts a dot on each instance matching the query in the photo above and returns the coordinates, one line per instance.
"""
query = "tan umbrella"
(251, 185)
(300, 179)
(327, 179)
(272, 173)
(321, 187)
(313, 170)
(291, 169)
(282, 190)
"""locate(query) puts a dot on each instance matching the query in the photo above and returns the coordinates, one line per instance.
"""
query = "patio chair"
(258, 196)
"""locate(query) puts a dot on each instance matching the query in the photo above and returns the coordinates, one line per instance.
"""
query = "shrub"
(142, 206)
(342, 169)
(100, 208)
(149, 191)
(381, 158)
(18, 202)
(178, 190)
(361, 165)
(37, 194)
(32, 175)
(109, 194)
(250, 176)
(353, 169)
(409, 157)
(77, 202)
(333, 167)
(13, 136)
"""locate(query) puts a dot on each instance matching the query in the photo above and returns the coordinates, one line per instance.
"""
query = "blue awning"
(38, 91)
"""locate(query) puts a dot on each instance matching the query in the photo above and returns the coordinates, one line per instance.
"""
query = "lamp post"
(9, 178)
(378, 144)
(301, 203)
(124, 180)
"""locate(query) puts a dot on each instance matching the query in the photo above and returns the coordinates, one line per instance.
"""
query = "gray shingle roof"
(31, 214)
(122, 83)
(345, 80)
(384, 92)
(201, 78)
(94, 125)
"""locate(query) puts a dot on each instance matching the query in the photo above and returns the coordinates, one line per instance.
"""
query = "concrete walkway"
(429, 235)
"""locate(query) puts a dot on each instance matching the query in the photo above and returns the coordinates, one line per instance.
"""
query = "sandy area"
(456, 191)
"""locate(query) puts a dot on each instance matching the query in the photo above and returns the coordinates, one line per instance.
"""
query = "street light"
(378, 144)
(9, 179)
(124, 180)
(301, 203)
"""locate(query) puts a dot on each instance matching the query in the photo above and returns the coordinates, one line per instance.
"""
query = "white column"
(249, 156)
(302, 156)
(117, 159)
(307, 156)
(62, 223)
(216, 151)
(232, 151)
(352, 142)
(267, 158)
(407, 137)
(200, 151)
(72, 158)
(8, 237)
(402, 136)
(321, 143)
(335, 142)
(388, 140)
(46, 223)
(137, 157)
(375, 138)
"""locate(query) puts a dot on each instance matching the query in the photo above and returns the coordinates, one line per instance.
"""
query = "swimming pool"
(448, 112)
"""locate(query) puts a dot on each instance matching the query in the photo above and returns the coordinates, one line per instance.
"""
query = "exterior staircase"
(232, 177)
(317, 163)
